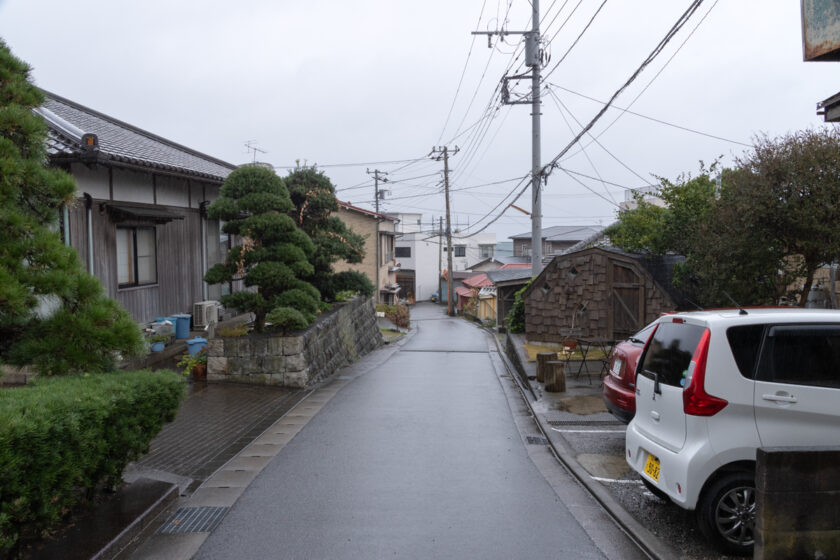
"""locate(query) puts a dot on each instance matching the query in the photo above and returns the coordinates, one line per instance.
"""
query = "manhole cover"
(194, 520)
(536, 440)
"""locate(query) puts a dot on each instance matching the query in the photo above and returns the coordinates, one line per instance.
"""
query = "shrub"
(286, 319)
(515, 320)
(398, 314)
(62, 438)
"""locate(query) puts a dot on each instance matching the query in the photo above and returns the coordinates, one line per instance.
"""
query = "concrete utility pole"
(440, 256)
(442, 152)
(377, 176)
(533, 58)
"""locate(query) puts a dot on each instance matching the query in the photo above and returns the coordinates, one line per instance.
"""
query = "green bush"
(63, 438)
(286, 319)
(515, 320)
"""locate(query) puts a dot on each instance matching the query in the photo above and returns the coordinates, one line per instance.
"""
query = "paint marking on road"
(562, 431)
(618, 480)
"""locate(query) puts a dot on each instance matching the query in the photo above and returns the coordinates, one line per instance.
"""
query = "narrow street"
(419, 457)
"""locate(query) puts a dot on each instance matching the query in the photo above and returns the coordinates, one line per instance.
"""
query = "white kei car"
(714, 386)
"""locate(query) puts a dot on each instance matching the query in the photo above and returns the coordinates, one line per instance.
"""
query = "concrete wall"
(338, 338)
(798, 503)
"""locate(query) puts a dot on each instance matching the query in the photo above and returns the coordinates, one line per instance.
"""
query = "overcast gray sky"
(370, 83)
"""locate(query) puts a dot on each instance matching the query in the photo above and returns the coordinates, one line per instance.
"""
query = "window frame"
(134, 256)
(397, 251)
(462, 249)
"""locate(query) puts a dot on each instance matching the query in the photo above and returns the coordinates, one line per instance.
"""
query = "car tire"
(653, 489)
(726, 513)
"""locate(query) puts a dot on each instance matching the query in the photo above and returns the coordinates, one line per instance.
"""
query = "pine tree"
(53, 315)
(274, 253)
(315, 204)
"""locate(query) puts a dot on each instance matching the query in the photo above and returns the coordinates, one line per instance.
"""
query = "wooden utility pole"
(442, 152)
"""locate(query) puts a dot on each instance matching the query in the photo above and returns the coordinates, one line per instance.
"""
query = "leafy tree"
(776, 221)
(315, 204)
(53, 315)
(274, 255)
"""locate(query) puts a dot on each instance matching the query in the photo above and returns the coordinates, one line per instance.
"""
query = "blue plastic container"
(194, 345)
(182, 327)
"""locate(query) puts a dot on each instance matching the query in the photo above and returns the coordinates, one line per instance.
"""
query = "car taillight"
(696, 401)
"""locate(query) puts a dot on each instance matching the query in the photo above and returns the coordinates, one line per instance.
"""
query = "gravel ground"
(667, 521)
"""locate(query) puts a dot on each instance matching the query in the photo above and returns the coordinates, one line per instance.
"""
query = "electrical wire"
(695, 4)
(660, 121)
(574, 43)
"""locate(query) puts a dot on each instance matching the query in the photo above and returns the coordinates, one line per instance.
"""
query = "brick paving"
(214, 423)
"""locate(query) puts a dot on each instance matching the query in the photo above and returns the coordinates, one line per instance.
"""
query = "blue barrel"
(182, 328)
(195, 345)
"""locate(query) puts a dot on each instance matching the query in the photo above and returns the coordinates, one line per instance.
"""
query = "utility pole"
(442, 152)
(533, 58)
(440, 256)
(377, 176)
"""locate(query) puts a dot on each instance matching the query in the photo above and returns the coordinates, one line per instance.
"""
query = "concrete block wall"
(798, 503)
(338, 338)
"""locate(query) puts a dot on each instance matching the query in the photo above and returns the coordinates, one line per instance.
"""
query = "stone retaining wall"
(338, 338)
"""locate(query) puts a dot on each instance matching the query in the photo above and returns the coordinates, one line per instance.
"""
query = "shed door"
(627, 293)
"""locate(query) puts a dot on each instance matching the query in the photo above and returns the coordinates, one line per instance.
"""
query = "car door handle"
(779, 398)
(654, 415)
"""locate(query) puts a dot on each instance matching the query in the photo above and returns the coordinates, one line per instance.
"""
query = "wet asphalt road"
(418, 458)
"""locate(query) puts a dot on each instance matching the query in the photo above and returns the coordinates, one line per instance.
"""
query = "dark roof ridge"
(137, 130)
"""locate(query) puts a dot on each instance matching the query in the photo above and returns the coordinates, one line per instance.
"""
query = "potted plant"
(157, 342)
(195, 364)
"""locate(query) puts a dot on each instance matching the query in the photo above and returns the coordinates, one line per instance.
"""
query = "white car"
(714, 386)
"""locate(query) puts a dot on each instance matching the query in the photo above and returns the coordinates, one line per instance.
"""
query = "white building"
(421, 251)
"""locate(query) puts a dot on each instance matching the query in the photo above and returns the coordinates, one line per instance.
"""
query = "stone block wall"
(338, 338)
(798, 503)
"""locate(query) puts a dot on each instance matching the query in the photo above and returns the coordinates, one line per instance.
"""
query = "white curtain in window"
(125, 256)
(146, 265)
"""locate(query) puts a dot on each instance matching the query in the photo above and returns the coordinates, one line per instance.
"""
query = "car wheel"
(655, 490)
(726, 513)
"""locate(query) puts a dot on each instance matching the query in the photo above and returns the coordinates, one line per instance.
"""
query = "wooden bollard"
(542, 359)
(555, 377)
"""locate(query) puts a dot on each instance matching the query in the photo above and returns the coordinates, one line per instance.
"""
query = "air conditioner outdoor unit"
(205, 312)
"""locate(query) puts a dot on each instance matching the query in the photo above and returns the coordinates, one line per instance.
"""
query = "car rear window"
(802, 355)
(745, 342)
(670, 352)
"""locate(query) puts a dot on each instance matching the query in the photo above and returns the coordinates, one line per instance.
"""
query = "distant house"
(418, 250)
(477, 296)
(380, 264)
(599, 293)
(554, 239)
(507, 281)
(139, 223)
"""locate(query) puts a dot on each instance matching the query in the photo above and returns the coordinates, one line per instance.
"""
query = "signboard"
(820, 30)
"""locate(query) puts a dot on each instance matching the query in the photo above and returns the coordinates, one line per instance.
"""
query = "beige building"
(379, 264)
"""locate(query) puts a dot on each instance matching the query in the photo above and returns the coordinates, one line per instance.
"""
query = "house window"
(403, 252)
(487, 251)
(460, 251)
(136, 256)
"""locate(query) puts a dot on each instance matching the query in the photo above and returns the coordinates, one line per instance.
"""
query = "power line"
(660, 121)
(656, 51)
(574, 43)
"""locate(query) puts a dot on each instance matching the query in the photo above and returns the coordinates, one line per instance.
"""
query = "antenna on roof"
(741, 310)
(251, 146)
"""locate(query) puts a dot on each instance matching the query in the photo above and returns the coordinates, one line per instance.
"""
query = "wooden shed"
(598, 293)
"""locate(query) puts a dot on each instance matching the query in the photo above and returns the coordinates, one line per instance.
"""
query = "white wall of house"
(423, 261)
(468, 250)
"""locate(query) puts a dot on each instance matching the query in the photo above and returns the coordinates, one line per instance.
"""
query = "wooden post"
(542, 359)
(555, 377)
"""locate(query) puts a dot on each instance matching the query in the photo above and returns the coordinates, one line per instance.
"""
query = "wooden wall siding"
(592, 294)
(178, 261)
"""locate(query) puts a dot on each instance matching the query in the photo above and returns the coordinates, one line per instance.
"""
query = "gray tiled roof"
(120, 142)
(508, 274)
(563, 233)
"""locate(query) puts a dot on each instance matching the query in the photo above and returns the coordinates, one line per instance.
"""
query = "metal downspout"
(89, 207)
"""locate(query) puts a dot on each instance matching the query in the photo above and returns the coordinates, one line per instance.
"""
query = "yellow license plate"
(652, 467)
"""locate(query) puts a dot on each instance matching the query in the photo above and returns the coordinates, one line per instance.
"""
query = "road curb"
(647, 541)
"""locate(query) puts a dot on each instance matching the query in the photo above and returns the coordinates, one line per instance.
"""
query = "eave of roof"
(371, 213)
(121, 144)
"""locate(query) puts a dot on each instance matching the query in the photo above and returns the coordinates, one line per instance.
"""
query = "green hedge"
(62, 438)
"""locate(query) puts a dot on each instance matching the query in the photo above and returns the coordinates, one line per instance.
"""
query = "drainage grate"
(536, 440)
(584, 423)
(194, 520)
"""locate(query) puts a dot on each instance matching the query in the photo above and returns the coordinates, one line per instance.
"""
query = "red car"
(620, 383)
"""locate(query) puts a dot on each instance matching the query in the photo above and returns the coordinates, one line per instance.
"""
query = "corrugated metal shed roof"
(119, 142)
(509, 274)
